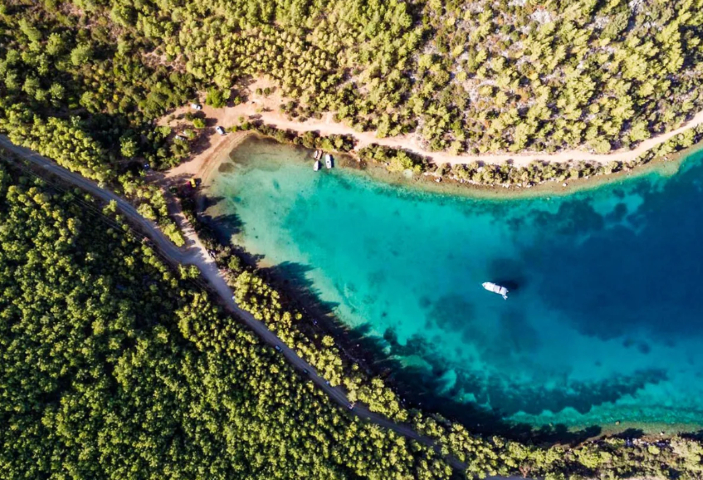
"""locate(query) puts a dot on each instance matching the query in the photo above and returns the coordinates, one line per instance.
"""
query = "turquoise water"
(604, 320)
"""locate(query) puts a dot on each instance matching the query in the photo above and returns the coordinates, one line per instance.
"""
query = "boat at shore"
(318, 154)
(492, 287)
(329, 161)
(317, 165)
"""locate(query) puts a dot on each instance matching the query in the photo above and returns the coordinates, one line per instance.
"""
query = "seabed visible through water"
(604, 320)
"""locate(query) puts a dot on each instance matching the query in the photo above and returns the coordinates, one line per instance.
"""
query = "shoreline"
(344, 335)
(210, 148)
(203, 163)
(266, 109)
(205, 167)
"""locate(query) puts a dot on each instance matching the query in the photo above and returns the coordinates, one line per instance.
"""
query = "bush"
(217, 98)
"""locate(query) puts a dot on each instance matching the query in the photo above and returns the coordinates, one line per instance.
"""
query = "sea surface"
(604, 320)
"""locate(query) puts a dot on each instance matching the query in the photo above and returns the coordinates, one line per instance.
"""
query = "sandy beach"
(204, 160)
(266, 109)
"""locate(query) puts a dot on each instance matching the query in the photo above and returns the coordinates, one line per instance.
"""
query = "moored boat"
(329, 161)
(318, 154)
(317, 165)
(492, 287)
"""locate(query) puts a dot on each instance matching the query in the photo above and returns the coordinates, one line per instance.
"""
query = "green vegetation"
(217, 98)
(680, 458)
(115, 366)
(394, 159)
(74, 90)
(482, 76)
(331, 143)
(475, 173)
(479, 76)
(397, 160)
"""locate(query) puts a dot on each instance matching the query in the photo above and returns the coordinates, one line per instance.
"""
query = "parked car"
(278, 349)
(196, 106)
(220, 130)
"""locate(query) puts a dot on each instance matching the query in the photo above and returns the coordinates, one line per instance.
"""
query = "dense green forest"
(79, 96)
(115, 366)
(85, 79)
(479, 75)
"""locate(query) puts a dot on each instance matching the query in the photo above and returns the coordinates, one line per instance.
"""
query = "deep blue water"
(604, 317)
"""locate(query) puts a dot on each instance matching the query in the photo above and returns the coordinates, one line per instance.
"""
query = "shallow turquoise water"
(604, 321)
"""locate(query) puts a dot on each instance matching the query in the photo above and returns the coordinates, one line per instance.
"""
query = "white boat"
(492, 287)
(318, 154)
(317, 165)
(329, 160)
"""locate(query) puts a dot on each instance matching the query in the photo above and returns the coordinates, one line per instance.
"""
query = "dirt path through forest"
(266, 109)
(195, 253)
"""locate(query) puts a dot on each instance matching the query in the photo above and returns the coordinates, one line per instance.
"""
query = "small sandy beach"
(266, 109)
(205, 160)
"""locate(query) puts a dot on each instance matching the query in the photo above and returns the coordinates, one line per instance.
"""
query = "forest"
(116, 365)
(85, 82)
(86, 79)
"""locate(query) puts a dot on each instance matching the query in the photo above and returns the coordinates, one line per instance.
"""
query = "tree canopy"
(115, 366)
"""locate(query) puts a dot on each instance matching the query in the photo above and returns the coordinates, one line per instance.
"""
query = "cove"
(604, 320)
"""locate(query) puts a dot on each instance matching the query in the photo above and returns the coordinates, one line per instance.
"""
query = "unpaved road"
(196, 254)
(267, 109)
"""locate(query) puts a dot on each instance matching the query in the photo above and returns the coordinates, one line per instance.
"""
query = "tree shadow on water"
(418, 371)
(231, 223)
(222, 226)
(419, 387)
(630, 433)
(421, 375)
(424, 380)
(292, 278)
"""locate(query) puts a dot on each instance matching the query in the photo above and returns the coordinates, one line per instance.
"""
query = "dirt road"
(195, 254)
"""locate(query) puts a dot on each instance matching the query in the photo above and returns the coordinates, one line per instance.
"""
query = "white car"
(196, 106)
(220, 130)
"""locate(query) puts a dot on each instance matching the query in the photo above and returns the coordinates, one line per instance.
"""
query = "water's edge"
(426, 183)
(371, 176)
